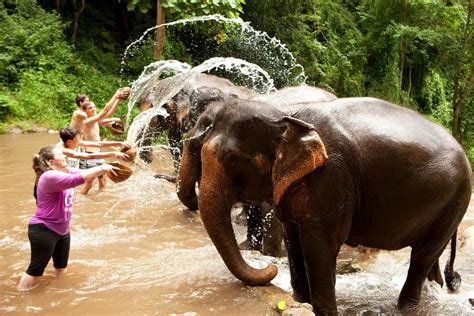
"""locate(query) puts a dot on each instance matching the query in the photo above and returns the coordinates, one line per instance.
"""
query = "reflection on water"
(136, 250)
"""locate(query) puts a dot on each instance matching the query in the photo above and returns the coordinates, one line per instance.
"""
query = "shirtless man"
(86, 120)
(79, 117)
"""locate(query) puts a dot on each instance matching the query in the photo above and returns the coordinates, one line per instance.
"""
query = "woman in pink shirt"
(48, 229)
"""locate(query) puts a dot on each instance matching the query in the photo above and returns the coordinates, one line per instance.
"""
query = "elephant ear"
(299, 152)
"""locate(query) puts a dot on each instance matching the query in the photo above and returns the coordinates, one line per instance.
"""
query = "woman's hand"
(109, 169)
(120, 155)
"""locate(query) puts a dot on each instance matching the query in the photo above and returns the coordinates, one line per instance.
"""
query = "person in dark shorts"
(48, 229)
(72, 144)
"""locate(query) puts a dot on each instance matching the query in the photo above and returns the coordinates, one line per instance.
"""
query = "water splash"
(254, 46)
(161, 90)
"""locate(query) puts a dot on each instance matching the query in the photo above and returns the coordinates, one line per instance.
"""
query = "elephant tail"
(452, 278)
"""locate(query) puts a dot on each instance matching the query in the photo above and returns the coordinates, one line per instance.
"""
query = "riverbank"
(14, 129)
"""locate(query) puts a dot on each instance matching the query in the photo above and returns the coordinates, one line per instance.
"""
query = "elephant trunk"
(215, 203)
(188, 175)
(219, 227)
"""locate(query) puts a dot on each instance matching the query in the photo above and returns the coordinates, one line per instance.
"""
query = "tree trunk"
(57, 5)
(402, 65)
(410, 66)
(75, 20)
(160, 31)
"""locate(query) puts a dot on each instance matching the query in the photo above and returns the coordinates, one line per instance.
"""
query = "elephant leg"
(320, 249)
(255, 226)
(176, 148)
(299, 281)
(146, 154)
(428, 248)
(422, 263)
(272, 232)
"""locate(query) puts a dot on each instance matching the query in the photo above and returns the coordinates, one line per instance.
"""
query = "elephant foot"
(241, 218)
(407, 305)
(301, 298)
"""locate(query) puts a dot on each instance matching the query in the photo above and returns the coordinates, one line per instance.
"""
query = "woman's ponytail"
(41, 163)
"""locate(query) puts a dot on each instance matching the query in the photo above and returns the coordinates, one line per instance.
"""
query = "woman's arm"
(108, 109)
(89, 174)
(56, 181)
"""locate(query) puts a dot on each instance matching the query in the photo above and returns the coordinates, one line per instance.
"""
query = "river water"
(136, 250)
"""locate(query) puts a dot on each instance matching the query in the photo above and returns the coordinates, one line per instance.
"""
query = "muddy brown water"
(136, 250)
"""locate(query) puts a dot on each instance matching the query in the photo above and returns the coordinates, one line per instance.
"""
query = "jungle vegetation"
(416, 53)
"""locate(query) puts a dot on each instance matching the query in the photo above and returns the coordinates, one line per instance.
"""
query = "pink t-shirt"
(54, 199)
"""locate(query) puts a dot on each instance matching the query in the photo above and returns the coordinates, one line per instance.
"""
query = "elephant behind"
(356, 170)
(183, 110)
(297, 94)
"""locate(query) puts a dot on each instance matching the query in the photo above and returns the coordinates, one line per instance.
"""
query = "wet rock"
(346, 266)
(303, 309)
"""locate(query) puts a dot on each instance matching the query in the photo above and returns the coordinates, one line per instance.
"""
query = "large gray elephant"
(356, 170)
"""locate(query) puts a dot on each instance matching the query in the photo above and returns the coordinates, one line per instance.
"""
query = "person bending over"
(71, 144)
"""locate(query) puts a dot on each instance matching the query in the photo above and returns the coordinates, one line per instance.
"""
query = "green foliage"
(323, 37)
(178, 9)
(31, 39)
(42, 72)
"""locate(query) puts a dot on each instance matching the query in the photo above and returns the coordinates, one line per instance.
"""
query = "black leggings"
(44, 245)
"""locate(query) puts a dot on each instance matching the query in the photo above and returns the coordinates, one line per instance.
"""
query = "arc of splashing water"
(245, 26)
(151, 77)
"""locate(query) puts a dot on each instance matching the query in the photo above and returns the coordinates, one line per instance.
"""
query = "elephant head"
(283, 99)
(235, 166)
(184, 108)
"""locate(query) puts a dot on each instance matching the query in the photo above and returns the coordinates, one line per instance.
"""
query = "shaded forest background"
(416, 53)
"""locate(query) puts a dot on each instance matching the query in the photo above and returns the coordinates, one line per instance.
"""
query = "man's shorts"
(91, 163)
(46, 244)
